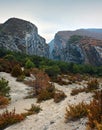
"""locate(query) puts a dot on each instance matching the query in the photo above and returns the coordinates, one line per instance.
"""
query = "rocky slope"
(20, 35)
(80, 46)
(52, 116)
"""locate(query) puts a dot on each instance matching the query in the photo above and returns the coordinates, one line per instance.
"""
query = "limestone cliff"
(20, 35)
(80, 46)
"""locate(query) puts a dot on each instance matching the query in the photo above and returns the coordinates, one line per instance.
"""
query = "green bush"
(52, 71)
(29, 64)
(4, 88)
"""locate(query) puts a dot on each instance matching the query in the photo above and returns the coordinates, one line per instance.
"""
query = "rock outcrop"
(20, 35)
(80, 46)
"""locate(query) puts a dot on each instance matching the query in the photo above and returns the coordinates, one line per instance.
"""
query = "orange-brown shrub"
(5, 66)
(26, 72)
(92, 85)
(74, 112)
(16, 71)
(59, 96)
(95, 113)
(46, 94)
(60, 81)
(97, 95)
(3, 101)
(76, 91)
(8, 118)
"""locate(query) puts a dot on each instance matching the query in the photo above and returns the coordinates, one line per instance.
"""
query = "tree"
(4, 88)
(29, 64)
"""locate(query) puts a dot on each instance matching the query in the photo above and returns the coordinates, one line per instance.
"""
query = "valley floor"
(52, 116)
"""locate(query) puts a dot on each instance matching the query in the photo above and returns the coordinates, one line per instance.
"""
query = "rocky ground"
(52, 116)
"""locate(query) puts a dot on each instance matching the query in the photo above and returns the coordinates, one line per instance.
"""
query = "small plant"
(59, 96)
(4, 88)
(76, 91)
(44, 95)
(74, 112)
(92, 85)
(26, 72)
(8, 118)
(16, 71)
(3, 101)
(20, 78)
(33, 110)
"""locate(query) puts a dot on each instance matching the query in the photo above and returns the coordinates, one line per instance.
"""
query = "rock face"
(80, 46)
(20, 35)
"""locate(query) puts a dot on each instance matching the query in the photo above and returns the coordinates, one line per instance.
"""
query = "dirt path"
(52, 115)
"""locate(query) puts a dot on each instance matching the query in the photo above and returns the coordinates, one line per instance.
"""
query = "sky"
(51, 16)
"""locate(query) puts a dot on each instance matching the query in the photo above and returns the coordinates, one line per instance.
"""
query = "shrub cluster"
(93, 111)
(8, 118)
(16, 71)
(59, 96)
(95, 114)
(91, 86)
(74, 112)
(3, 101)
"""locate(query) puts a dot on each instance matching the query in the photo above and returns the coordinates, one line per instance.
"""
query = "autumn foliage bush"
(59, 96)
(5, 66)
(91, 86)
(95, 113)
(74, 112)
(3, 101)
(8, 118)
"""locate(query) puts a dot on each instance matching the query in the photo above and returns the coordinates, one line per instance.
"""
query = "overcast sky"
(51, 16)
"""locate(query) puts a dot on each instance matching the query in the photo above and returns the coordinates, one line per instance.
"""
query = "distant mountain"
(87, 49)
(20, 35)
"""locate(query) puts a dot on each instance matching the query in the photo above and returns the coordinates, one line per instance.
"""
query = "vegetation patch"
(74, 112)
(8, 118)
(59, 96)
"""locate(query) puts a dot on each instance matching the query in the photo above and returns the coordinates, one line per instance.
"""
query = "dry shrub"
(59, 96)
(26, 72)
(8, 118)
(97, 95)
(95, 113)
(74, 112)
(33, 110)
(46, 94)
(20, 78)
(3, 101)
(5, 66)
(92, 85)
(76, 91)
(16, 71)
(60, 81)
